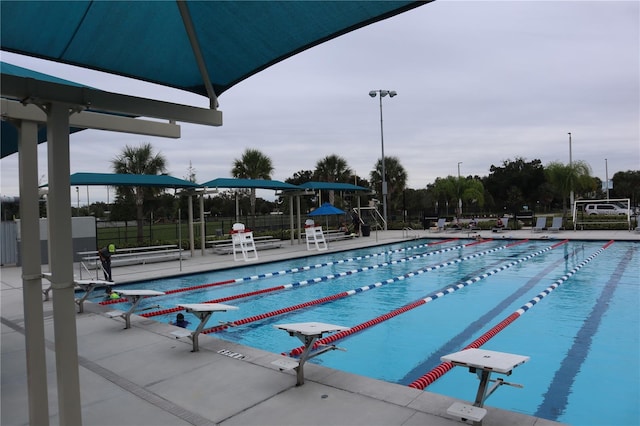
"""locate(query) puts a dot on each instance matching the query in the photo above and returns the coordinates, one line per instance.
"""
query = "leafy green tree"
(415, 202)
(139, 161)
(332, 168)
(515, 183)
(565, 178)
(298, 178)
(252, 165)
(352, 199)
(627, 185)
(445, 192)
(396, 177)
(450, 189)
(471, 192)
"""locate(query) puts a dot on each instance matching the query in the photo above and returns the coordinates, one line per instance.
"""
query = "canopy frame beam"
(29, 90)
(197, 52)
(92, 120)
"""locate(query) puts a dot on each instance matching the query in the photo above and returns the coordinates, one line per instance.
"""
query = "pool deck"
(144, 376)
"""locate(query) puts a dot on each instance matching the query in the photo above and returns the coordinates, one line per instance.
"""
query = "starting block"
(88, 286)
(136, 296)
(482, 362)
(308, 333)
(203, 311)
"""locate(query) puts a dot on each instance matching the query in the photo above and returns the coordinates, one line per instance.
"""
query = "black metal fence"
(125, 234)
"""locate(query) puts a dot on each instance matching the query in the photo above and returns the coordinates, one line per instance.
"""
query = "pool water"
(583, 336)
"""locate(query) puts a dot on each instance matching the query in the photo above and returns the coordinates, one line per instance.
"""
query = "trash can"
(366, 230)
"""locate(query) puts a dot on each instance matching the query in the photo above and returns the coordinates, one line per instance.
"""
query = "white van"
(604, 208)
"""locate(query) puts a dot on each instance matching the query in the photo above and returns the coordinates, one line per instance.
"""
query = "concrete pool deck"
(144, 376)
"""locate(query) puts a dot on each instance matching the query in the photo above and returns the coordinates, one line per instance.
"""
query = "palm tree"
(138, 161)
(332, 168)
(396, 178)
(565, 178)
(252, 165)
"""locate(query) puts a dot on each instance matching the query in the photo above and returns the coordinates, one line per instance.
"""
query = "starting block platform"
(88, 286)
(203, 311)
(136, 297)
(308, 333)
(483, 363)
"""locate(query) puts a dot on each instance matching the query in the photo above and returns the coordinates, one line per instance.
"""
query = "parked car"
(604, 208)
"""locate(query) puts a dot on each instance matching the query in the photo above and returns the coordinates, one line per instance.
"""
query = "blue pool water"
(582, 336)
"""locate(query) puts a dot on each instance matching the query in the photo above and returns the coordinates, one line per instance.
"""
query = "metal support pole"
(606, 171)
(202, 225)
(384, 172)
(203, 317)
(481, 395)
(61, 266)
(192, 245)
(180, 236)
(291, 217)
(459, 195)
(32, 275)
(308, 344)
(571, 195)
(382, 94)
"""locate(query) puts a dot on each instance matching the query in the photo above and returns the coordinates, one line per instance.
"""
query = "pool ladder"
(409, 232)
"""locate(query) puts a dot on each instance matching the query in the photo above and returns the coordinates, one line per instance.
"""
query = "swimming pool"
(572, 306)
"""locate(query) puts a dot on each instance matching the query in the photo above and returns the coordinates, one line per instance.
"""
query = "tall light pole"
(459, 197)
(391, 94)
(571, 180)
(606, 171)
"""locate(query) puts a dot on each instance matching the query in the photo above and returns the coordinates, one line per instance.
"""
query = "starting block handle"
(332, 347)
(502, 382)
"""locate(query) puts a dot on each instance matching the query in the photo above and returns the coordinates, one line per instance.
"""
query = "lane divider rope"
(286, 271)
(444, 367)
(342, 334)
(347, 293)
(303, 282)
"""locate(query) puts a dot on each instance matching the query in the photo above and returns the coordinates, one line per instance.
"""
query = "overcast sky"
(478, 83)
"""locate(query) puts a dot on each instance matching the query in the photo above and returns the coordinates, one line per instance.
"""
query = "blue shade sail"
(149, 41)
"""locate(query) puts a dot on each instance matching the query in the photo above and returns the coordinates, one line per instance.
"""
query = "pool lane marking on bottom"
(342, 334)
(286, 271)
(479, 323)
(437, 372)
(347, 293)
(555, 399)
(306, 282)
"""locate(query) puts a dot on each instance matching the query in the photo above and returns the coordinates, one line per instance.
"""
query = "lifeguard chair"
(243, 242)
(314, 236)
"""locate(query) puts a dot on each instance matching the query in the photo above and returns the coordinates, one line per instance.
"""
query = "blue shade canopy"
(326, 209)
(150, 40)
(9, 133)
(108, 179)
(24, 72)
(248, 183)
